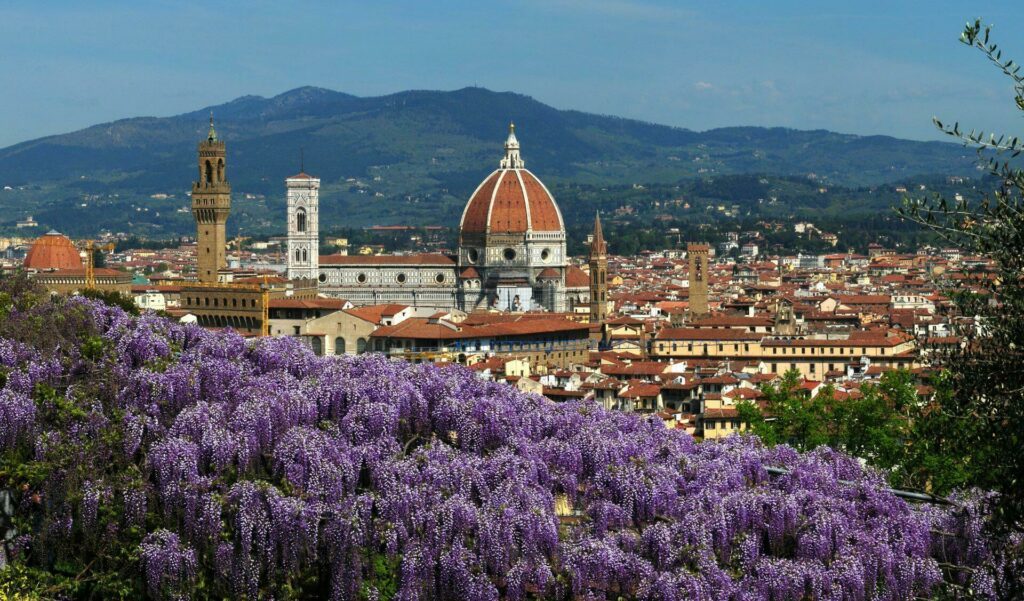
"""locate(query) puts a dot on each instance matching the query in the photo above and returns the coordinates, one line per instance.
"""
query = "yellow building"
(721, 422)
(811, 357)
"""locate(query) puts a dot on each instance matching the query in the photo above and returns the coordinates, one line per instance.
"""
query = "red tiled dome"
(511, 201)
(53, 251)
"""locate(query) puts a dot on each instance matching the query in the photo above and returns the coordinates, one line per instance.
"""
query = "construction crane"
(239, 241)
(90, 271)
(90, 260)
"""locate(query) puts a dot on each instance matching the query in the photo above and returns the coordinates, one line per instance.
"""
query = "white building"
(511, 256)
(303, 226)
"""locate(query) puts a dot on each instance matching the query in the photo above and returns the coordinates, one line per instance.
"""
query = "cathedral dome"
(53, 250)
(511, 200)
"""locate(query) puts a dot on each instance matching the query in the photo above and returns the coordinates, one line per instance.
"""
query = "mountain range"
(414, 155)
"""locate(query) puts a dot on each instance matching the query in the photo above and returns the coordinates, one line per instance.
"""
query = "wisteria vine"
(255, 469)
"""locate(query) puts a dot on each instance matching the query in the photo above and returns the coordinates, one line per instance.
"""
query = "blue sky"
(861, 67)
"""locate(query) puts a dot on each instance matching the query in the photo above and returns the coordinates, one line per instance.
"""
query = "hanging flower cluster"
(257, 468)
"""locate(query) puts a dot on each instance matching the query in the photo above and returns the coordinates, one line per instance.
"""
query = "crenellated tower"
(598, 261)
(211, 204)
(697, 254)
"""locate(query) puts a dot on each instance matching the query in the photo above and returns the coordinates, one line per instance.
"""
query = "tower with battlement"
(697, 255)
(211, 204)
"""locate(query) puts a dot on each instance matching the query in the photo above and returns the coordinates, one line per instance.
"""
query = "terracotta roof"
(576, 278)
(723, 413)
(312, 303)
(641, 391)
(376, 313)
(563, 393)
(864, 299)
(706, 334)
(549, 273)
(730, 321)
(470, 273)
(511, 201)
(53, 251)
(371, 260)
(301, 175)
(420, 328)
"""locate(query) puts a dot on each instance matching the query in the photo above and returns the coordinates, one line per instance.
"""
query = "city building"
(303, 201)
(55, 262)
(223, 298)
(511, 255)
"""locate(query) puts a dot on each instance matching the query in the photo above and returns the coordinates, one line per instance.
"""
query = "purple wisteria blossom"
(255, 466)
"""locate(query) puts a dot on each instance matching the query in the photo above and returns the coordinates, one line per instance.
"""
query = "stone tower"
(785, 318)
(303, 226)
(211, 203)
(698, 258)
(598, 274)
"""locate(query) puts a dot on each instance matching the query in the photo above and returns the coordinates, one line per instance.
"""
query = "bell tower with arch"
(303, 226)
(598, 260)
(211, 204)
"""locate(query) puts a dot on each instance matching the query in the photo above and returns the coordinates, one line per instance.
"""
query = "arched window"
(361, 346)
(318, 345)
(305, 256)
(220, 170)
(300, 220)
(298, 255)
(209, 172)
(339, 346)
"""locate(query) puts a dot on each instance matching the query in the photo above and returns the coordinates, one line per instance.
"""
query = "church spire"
(512, 159)
(598, 262)
(597, 244)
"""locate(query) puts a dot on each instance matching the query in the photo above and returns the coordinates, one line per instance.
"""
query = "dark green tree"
(874, 425)
(981, 416)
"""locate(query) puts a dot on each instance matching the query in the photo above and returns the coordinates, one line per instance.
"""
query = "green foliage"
(876, 425)
(19, 292)
(383, 580)
(982, 415)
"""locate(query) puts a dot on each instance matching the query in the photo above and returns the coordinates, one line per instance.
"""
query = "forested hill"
(434, 147)
(448, 134)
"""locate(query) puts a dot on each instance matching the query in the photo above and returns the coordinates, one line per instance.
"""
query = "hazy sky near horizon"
(866, 67)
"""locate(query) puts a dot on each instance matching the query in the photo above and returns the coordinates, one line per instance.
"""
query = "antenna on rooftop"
(302, 160)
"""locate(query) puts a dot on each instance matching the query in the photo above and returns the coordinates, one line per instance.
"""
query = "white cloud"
(703, 85)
